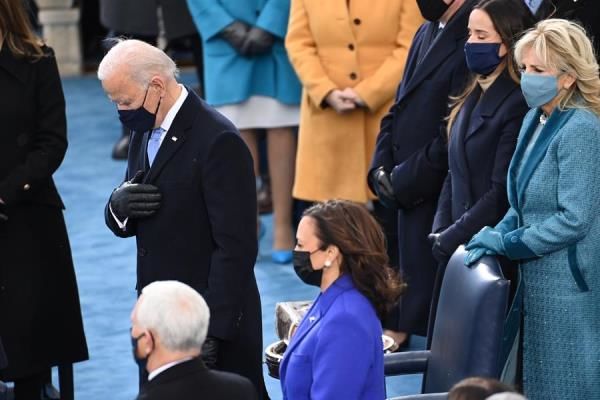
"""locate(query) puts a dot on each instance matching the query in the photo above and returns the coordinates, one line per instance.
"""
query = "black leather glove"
(210, 352)
(135, 200)
(382, 184)
(258, 41)
(440, 253)
(235, 33)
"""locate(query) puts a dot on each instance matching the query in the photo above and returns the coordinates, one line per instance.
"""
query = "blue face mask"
(538, 89)
(482, 58)
(139, 120)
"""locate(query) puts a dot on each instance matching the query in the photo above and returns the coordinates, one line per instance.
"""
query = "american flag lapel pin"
(174, 138)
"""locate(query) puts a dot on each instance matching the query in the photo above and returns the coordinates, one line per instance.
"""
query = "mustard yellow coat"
(333, 45)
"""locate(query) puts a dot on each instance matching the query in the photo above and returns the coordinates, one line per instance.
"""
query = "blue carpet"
(105, 264)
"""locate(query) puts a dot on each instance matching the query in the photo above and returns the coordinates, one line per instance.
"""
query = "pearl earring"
(327, 263)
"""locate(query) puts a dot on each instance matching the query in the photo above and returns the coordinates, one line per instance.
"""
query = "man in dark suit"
(189, 198)
(168, 327)
(410, 164)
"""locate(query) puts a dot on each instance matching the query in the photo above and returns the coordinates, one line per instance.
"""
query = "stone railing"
(60, 30)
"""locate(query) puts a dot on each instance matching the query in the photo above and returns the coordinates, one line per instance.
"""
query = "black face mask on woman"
(432, 10)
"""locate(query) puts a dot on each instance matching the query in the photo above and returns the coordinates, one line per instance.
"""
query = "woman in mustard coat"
(349, 56)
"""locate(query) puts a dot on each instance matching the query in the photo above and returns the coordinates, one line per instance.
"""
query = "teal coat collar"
(520, 175)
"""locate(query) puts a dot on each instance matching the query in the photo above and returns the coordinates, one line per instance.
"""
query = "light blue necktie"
(154, 143)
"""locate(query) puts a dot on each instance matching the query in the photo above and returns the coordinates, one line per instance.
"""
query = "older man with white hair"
(189, 199)
(168, 327)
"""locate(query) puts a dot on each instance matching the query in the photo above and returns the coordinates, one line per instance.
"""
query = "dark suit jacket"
(192, 380)
(482, 142)
(403, 145)
(204, 233)
(38, 291)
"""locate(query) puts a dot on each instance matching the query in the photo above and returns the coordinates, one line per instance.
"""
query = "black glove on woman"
(258, 41)
(235, 33)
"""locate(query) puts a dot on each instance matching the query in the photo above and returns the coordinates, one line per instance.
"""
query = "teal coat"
(231, 78)
(553, 228)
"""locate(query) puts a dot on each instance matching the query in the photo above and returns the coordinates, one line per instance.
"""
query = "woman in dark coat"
(39, 305)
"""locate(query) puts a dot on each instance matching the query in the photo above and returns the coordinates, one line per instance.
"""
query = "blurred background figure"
(585, 12)
(477, 388)
(350, 58)
(41, 319)
(139, 19)
(250, 80)
(482, 133)
(172, 356)
(336, 351)
(553, 223)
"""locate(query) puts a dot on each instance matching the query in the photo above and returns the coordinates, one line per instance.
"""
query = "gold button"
(26, 186)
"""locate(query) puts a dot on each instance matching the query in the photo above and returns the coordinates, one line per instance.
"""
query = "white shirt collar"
(166, 124)
(165, 367)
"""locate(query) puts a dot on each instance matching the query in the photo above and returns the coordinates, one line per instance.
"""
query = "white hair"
(141, 59)
(176, 313)
(506, 396)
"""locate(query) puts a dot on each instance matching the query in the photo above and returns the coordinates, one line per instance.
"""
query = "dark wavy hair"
(361, 242)
(16, 32)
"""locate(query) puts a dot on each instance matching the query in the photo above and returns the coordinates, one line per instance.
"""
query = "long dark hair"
(510, 19)
(361, 242)
(16, 31)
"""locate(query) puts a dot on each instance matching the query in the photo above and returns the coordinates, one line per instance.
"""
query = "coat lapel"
(460, 129)
(523, 169)
(19, 68)
(175, 136)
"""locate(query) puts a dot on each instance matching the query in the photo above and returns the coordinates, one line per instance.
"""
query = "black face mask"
(139, 120)
(304, 268)
(140, 361)
(432, 10)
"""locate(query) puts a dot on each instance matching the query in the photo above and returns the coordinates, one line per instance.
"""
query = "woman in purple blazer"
(337, 351)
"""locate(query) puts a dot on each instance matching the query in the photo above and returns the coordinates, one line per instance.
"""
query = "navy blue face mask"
(139, 120)
(140, 361)
(482, 58)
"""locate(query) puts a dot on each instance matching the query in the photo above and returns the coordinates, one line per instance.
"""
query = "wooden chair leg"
(65, 381)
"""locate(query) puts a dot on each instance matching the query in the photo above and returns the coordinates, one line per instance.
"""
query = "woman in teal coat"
(553, 224)
(249, 79)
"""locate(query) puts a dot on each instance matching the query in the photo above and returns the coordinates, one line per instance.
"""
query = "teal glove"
(488, 238)
(475, 254)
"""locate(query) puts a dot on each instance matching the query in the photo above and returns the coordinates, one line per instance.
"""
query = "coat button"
(356, 21)
(395, 147)
(351, 47)
(26, 186)
(142, 252)
(353, 76)
(514, 239)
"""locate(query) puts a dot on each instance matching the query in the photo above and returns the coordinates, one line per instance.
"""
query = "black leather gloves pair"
(381, 183)
(210, 352)
(135, 200)
(248, 41)
(441, 250)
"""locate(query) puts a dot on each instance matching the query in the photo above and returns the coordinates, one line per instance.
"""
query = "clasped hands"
(345, 100)
(246, 40)
(487, 242)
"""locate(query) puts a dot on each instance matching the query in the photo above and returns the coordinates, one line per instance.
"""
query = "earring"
(327, 263)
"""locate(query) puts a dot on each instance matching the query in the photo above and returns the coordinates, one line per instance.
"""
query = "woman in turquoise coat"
(249, 79)
(553, 224)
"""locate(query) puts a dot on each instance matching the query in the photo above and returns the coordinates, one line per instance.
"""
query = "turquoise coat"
(231, 78)
(553, 228)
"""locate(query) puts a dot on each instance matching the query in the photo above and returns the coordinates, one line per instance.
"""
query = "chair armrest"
(428, 396)
(408, 362)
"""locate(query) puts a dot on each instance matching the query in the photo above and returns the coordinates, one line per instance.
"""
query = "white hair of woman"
(175, 313)
(564, 46)
(141, 60)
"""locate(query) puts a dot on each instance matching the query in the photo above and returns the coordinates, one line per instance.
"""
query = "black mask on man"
(140, 361)
(139, 120)
(432, 10)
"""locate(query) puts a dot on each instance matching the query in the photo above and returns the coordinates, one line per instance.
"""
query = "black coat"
(39, 304)
(482, 142)
(116, 15)
(204, 234)
(191, 380)
(413, 123)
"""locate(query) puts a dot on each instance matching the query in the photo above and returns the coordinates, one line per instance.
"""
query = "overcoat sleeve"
(274, 17)
(209, 16)
(302, 51)
(49, 137)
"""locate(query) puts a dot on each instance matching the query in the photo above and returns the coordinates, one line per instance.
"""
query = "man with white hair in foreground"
(189, 198)
(168, 327)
